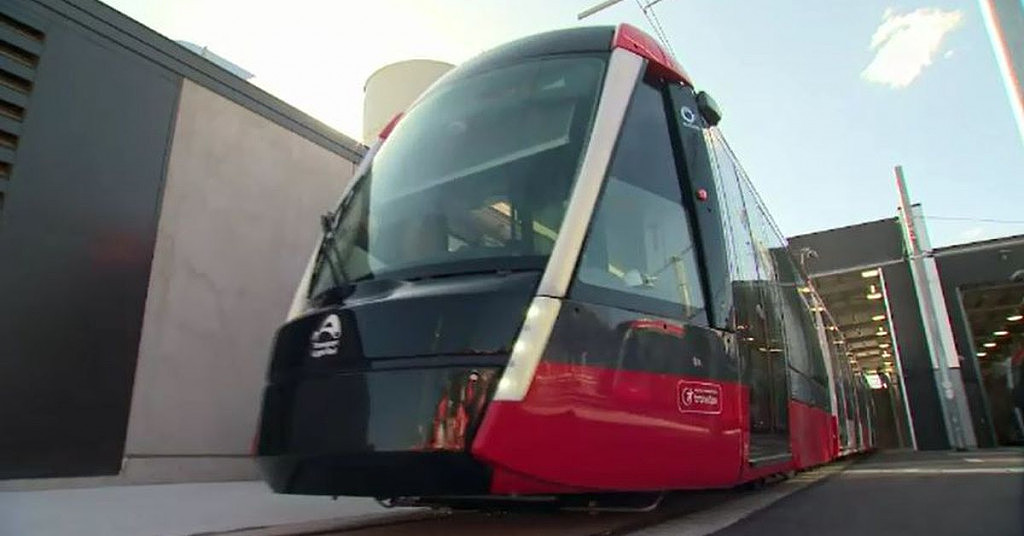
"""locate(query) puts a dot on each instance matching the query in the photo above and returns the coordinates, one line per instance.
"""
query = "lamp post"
(1004, 20)
(935, 320)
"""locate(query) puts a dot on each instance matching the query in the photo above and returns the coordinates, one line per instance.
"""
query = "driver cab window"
(640, 252)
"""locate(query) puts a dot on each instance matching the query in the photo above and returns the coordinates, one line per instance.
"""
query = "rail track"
(699, 512)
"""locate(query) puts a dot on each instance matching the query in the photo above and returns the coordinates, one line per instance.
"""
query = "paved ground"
(904, 493)
(166, 510)
(935, 494)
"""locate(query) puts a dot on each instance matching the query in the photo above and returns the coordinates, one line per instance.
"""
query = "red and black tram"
(551, 276)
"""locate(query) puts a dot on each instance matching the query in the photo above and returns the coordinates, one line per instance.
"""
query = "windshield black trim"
(486, 265)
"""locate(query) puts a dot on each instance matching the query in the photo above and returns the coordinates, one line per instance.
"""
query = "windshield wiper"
(338, 275)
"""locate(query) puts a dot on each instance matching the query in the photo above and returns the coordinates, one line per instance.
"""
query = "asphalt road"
(934, 494)
(938, 493)
(898, 493)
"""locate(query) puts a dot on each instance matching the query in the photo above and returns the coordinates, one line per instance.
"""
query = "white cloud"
(905, 44)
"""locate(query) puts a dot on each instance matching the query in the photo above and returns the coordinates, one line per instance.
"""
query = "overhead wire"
(978, 220)
(655, 23)
(660, 30)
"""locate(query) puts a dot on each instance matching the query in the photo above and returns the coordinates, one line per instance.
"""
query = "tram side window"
(640, 251)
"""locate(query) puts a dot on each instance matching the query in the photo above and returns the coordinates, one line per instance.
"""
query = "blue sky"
(818, 137)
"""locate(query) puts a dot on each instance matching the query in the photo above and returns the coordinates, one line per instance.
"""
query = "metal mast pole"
(938, 334)
(594, 9)
(607, 4)
(1004, 20)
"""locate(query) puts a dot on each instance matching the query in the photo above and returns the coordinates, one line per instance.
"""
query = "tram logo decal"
(689, 117)
(700, 397)
(327, 338)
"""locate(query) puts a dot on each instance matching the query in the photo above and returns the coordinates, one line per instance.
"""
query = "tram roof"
(585, 39)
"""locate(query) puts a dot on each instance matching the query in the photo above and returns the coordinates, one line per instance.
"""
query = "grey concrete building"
(155, 212)
(863, 274)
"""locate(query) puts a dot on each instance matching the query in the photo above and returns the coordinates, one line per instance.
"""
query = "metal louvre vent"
(20, 47)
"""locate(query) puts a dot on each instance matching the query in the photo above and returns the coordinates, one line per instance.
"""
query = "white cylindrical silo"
(392, 88)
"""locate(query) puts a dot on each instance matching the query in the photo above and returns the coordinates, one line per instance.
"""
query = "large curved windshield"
(475, 178)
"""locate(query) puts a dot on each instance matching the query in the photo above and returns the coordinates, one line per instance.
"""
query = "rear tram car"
(551, 276)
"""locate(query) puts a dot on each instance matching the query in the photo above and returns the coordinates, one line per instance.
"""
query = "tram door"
(769, 442)
(757, 303)
(763, 370)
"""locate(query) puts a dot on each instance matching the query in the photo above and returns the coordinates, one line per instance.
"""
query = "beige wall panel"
(238, 221)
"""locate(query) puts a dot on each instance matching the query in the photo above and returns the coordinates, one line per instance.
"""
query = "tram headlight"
(528, 349)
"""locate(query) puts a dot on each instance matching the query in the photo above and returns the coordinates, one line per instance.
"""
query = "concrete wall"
(147, 251)
(922, 392)
(848, 248)
(77, 232)
(238, 221)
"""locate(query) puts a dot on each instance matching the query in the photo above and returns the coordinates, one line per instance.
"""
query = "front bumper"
(376, 433)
